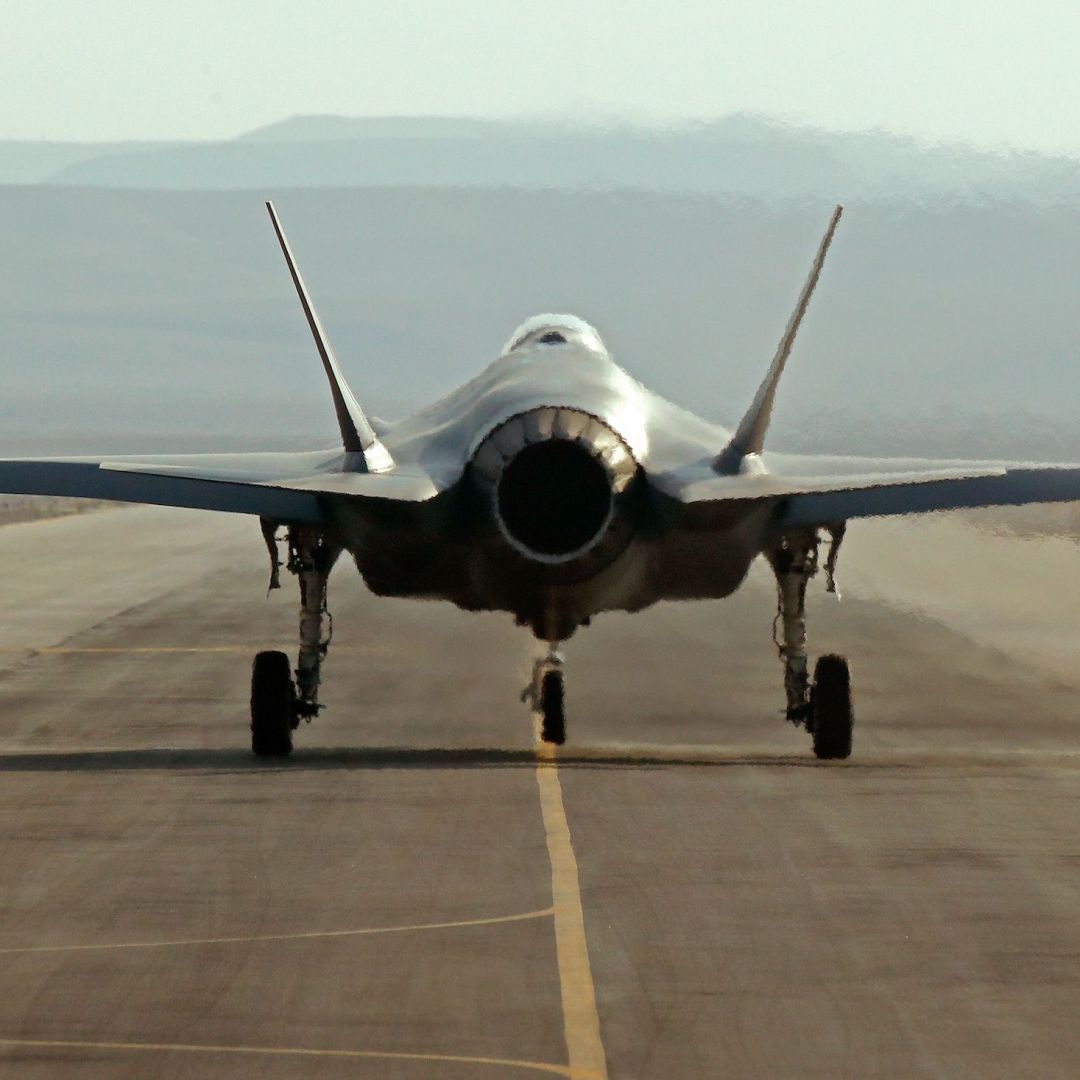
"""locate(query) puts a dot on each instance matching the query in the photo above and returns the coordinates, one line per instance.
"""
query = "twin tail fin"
(357, 435)
(749, 437)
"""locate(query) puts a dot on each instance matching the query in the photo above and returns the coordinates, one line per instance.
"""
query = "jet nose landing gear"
(546, 694)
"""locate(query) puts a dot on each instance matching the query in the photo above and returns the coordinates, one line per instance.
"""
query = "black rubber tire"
(832, 715)
(273, 705)
(552, 708)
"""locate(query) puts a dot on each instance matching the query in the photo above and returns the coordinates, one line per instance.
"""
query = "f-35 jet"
(553, 486)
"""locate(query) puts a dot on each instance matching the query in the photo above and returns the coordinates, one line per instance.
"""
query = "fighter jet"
(554, 487)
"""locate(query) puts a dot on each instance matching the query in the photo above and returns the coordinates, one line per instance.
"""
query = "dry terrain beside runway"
(400, 899)
(16, 508)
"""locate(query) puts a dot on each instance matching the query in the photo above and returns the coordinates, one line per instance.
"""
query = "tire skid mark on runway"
(303, 936)
(286, 1051)
(581, 1020)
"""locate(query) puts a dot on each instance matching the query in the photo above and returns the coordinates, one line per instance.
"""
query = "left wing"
(282, 487)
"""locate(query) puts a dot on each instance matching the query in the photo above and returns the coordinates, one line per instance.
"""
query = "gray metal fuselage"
(647, 547)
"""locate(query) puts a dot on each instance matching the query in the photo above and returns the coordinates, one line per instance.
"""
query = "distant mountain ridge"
(327, 128)
(940, 331)
(741, 156)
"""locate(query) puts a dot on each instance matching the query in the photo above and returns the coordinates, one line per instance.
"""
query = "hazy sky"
(983, 71)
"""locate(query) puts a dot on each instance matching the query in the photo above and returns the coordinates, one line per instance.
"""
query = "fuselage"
(560, 511)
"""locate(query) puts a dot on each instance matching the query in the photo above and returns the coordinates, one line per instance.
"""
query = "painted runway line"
(282, 1051)
(580, 1019)
(302, 936)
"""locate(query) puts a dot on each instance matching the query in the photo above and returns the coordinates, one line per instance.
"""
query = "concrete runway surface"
(682, 891)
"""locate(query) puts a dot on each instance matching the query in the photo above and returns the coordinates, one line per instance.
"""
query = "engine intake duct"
(553, 477)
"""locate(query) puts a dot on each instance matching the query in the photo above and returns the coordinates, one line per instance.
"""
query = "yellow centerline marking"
(581, 1022)
(307, 935)
(282, 1051)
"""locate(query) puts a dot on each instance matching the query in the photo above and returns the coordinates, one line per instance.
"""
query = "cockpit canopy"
(549, 330)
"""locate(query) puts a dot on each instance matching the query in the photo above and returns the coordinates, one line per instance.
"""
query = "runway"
(680, 891)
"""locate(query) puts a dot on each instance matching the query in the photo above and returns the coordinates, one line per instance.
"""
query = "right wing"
(821, 490)
(1015, 485)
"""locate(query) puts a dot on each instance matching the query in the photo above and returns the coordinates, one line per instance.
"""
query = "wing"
(1015, 485)
(282, 487)
(820, 490)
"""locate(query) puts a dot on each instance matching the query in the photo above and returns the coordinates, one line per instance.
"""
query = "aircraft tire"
(552, 708)
(273, 704)
(833, 718)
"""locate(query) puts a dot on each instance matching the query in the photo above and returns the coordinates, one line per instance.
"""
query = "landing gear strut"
(546, 693)
(278, 704)
(311, 558)
(823, 707)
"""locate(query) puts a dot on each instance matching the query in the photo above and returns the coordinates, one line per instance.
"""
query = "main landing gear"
(278, 704)
(546, 693)
(273, 705)
(823, 706)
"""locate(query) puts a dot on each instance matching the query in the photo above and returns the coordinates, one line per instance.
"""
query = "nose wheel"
(552, 712)
(546, 693)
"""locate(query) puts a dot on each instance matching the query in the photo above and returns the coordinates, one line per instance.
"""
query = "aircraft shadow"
(238, 760)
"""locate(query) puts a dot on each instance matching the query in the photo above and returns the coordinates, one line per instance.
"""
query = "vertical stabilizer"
(357, 435)
(750, 436)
